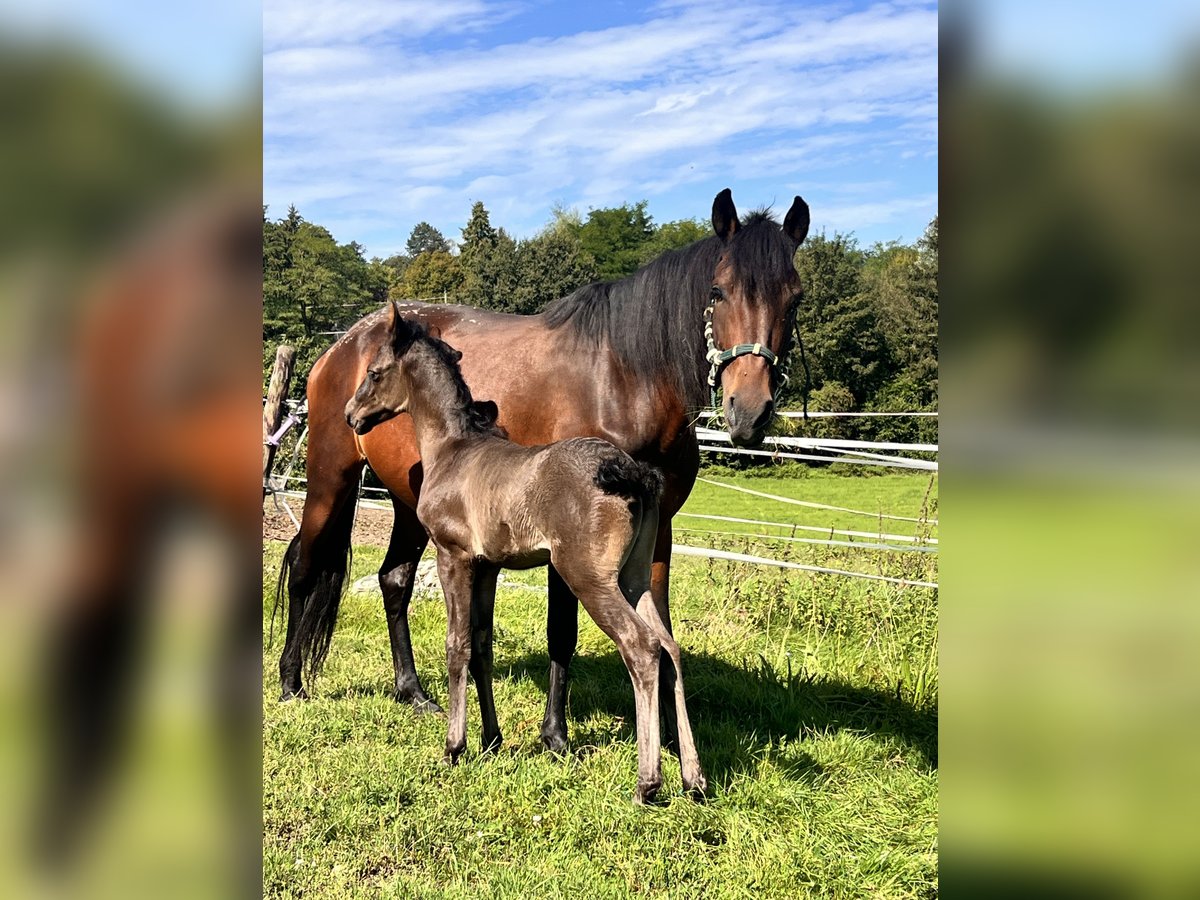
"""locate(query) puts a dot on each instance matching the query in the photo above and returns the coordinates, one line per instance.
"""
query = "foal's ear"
(401, 330)
(487, 409)
(724, 217)
(795, 224)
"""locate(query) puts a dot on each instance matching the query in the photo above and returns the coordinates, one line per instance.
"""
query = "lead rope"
(807, 374)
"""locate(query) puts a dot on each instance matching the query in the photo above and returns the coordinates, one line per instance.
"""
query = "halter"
(718, 359)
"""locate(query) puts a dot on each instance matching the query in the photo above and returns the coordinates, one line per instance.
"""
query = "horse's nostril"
(765, 416)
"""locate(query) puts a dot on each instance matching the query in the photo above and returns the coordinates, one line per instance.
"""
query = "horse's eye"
(373, 375)
(716, 293)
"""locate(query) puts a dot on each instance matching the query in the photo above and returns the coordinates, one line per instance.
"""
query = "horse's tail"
(324, 582)
(627, 477)
(285, 568)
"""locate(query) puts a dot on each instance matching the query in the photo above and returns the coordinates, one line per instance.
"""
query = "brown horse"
(581, 505)
(625, 361)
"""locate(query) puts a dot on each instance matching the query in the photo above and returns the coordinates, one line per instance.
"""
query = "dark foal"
(488, 503)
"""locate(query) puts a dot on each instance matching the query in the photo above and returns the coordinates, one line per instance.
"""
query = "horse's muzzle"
(747, 427)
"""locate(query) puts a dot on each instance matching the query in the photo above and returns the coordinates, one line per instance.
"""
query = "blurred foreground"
(130, 301)
(1071, 605)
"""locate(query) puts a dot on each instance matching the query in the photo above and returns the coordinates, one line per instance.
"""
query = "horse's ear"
(795, 224)
(399, 327)
(488, 410)
(724, 217)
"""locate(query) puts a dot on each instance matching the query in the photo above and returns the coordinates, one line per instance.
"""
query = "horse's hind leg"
(694, 781)
(597, 588)
(562, 633)
(396, 578)
(638, 577)
(315, 567)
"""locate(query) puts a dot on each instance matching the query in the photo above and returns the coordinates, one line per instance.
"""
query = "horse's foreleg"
(660, 576)
(483, 602)
(456, 577)
(397, 576)
(562, 632)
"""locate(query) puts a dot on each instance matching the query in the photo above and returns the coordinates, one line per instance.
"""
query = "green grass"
(813, 699)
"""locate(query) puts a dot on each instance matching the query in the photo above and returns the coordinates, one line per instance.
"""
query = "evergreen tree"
(424, 238)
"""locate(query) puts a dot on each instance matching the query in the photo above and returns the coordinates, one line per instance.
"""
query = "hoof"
(289, 695)
(417, 699)
(647, 792)
(698, 789)
(494, 745)
(426, 706)
(450, 757)
(555, 741)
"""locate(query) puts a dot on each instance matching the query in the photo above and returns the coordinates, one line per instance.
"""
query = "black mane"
(654, 319)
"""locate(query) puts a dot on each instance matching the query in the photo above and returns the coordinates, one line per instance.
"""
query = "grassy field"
(813, 698)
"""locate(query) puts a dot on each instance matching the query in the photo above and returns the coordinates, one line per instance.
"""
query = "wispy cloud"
(390, 112)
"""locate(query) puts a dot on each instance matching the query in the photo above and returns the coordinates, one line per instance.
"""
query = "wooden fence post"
(281, 377)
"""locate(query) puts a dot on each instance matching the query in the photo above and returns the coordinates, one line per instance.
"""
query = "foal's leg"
(601, 596)
(396, 578)
(694, 781)
(483, 602)
(562, 633)
(456, 576)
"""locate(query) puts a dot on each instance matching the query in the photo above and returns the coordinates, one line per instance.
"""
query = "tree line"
(868, 321)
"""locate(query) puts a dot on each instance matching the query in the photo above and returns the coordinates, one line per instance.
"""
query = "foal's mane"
(472, 417)
(654, 319)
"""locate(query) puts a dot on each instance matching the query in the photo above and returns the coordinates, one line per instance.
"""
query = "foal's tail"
(627, 477)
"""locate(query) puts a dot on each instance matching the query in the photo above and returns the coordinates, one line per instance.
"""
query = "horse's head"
(755, 296)
(384, 391)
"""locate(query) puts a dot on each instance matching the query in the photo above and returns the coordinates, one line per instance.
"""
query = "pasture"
(813, 698)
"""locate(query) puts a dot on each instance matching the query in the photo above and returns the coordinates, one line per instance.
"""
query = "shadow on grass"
(739, 713)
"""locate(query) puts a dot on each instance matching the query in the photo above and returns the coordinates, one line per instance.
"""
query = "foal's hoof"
(647, 792)
(288, 695)
(450, 757)
(697, 789)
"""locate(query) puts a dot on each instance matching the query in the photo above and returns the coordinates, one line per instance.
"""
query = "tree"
(673, 236)
(312, 285)
(432, 275)
(478, 235)
(488, 258)
(424, 238)
(550, 266)
(838, 322)
(614, 237)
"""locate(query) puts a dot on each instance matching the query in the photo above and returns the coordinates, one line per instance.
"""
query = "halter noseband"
(718, 359)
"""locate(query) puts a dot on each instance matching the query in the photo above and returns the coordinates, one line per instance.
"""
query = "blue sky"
(379, 114)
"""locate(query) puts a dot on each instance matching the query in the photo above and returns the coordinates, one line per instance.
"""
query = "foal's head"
(411, 359)
(754, 299)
